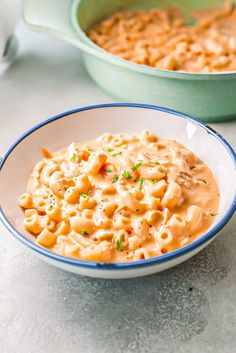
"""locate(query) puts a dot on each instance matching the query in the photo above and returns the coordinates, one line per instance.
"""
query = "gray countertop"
(191, 308)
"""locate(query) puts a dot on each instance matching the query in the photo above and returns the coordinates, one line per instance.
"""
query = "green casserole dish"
(209, 96)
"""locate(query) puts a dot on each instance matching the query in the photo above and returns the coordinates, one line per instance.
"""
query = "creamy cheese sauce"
(119, 198)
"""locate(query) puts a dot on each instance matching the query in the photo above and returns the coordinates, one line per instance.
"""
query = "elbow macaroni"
(119, 198)
(160, 38)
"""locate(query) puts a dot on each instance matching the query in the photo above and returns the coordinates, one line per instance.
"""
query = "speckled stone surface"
(191, 308)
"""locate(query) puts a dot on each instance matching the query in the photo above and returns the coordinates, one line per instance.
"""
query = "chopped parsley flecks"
(108, 170)
(84, 196)
(115, 179)
(136, 166)
(116, 154)
(73, 157)
(83, 231)
(126, 174)
(119, 242)
(155, 163)
(111, 150)
(141, 183)
(153, 181)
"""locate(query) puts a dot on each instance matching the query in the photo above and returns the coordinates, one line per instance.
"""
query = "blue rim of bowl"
(122, 265)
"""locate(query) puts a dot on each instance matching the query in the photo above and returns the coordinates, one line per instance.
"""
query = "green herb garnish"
(156, 163)
(119, 242)
(116, 154)
(126, 174)
(90, 150)
(84, 196)
(83, 231)
(153, 181)
(73, 157)
(108, 170)
(141, 183)
(109, 150)
(115, 179)
(136, 166)
(71, 181)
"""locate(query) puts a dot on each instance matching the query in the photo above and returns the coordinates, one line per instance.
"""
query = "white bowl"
(90, 122)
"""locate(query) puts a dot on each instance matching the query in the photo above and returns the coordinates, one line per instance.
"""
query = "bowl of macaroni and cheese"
(118, 190)
(178, 54)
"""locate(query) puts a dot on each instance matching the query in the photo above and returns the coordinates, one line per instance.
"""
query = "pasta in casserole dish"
(161, 38)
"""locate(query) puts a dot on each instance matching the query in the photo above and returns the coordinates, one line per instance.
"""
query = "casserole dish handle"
(54, 17)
